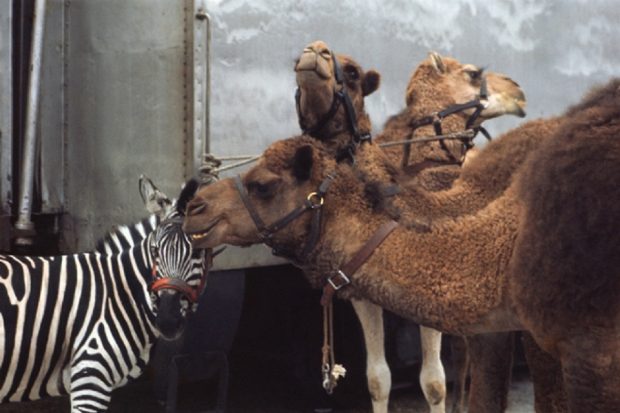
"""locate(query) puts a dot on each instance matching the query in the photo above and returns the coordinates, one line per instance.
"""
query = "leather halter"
(342, 276)
(436, 120)
(313, 202)
(340, 96)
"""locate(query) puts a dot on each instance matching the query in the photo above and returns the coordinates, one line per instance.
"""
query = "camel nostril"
(196, 206)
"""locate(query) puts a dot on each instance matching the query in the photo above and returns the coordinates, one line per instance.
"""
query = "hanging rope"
(468, 134)
(211, 165)
(331, 371)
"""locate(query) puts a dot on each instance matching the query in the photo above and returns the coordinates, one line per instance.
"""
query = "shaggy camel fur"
(315, 73)
(317, 96)
(570, 238)
(315, 79)
(436, 84)
(495, 293)
(317, 88)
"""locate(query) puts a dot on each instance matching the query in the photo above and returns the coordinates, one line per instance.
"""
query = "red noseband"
(192, 293)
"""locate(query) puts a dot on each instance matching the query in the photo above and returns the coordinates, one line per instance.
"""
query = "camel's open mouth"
(198, 236)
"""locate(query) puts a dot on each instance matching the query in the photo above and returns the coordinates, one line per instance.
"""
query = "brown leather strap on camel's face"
(437, 118)
(342, 276)
(340, 96)
(313, 202)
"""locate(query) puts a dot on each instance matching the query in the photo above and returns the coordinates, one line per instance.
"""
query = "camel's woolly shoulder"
(599, 97)
(568, 251)
(493, 168)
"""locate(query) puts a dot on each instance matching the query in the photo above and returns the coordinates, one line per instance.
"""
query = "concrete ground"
(266, 397)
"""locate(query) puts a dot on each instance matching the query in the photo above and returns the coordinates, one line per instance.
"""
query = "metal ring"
(313, 195)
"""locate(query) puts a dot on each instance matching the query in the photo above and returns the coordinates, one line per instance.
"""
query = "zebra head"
(178, 270)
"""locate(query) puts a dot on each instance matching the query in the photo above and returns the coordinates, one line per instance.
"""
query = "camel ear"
(437, 62)
(187, 193)
(302, 163)
(372, 80)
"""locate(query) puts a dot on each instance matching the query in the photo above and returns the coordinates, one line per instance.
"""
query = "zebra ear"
(155, 201)
(187, 193)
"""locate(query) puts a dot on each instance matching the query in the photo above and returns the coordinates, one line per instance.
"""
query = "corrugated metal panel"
(6, 105)
(555, 49)
(52, 116)
(134, 93)
(127, 110)
(6, 121)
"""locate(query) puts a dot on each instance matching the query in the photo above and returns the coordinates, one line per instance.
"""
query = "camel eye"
(262, 190)
(351, 72)
(475, 74)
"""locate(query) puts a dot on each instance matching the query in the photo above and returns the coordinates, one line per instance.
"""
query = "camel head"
(283, 180)
(439, 82)
(321, 77)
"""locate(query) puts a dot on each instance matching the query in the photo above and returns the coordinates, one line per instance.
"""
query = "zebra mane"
(124, 237)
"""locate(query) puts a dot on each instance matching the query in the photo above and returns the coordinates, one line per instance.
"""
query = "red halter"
(192, 293)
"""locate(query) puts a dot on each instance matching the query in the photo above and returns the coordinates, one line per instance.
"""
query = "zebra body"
(70, 318)
(84, 324)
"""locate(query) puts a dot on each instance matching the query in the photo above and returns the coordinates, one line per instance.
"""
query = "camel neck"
(373, 165)
(338, 136)
(452, 278)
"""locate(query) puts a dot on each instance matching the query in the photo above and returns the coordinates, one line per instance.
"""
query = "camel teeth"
(198, 236)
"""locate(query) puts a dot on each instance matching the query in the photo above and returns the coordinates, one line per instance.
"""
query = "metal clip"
(327, 382)
(344, 280)
(315, 199)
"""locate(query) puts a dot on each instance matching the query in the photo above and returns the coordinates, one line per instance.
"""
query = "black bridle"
(313, 202)
(340, 97)
(436, 119)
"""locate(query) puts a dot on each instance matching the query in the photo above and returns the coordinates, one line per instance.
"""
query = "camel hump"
(567, 258)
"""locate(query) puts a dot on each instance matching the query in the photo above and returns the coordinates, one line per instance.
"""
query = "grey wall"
(126, 110)
(556, 49)
(117, 79)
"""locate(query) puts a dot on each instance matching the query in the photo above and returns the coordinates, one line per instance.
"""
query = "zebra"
(84, 324)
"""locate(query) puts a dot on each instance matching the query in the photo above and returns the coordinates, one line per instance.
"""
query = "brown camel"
(570, 237)
(438, 84)
(338, 118)
(574, 319)
(317, 86)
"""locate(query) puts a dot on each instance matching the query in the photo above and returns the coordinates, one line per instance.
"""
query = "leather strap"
(313, 202)
(356, 262)
(339, 97)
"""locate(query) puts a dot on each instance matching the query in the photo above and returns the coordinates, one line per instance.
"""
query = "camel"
(448, 82)
(439, 84)
(483, 283)
(316, 74)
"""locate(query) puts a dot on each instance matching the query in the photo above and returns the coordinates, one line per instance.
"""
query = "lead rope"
(331, 371)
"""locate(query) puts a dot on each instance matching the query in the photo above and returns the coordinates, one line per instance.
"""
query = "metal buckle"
(338, 285)
(315, 199)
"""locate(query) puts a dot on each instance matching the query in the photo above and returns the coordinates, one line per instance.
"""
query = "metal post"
(24, 222)
(202, 82)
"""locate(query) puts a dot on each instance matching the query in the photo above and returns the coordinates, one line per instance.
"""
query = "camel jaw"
(313, 63)
(503, 104)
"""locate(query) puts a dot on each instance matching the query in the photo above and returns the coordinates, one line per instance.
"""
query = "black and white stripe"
(84, 324)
